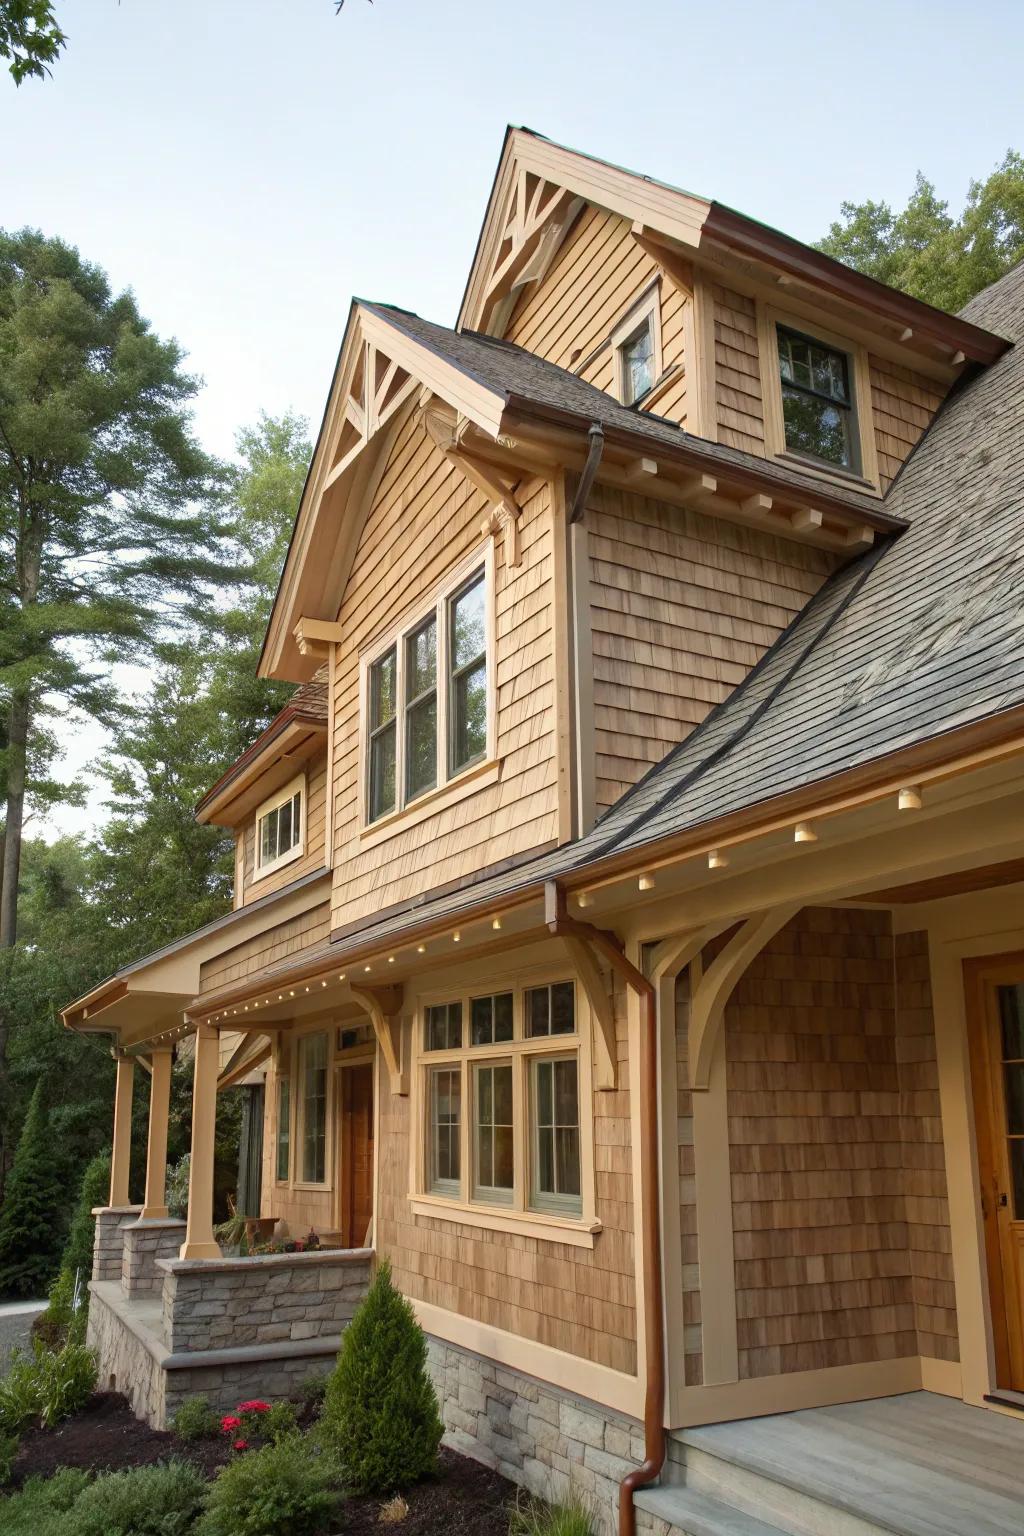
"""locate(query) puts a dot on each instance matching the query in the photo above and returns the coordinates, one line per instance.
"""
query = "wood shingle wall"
(313, 852)
(270, 948)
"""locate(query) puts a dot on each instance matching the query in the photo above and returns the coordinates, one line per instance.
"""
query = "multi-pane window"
(284, 1128)
(435, 671)
(445, 1130)
(502, 1109)
(636, 362)
(467, 677)
(313, 1087)
(279, 830)
(492, 1120)
(817, 400)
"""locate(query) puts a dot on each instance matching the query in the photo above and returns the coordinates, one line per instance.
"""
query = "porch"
(917, 1464)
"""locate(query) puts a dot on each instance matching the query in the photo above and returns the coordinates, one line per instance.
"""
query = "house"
(628, 939)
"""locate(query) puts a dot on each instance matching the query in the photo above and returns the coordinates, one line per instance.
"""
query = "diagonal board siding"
(425, 518)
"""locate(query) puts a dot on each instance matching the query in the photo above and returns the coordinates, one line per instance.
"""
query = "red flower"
(256, 1406)
(229, 1422)
(240, 1445)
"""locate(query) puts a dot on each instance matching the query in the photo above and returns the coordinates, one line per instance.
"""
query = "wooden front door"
(355, 1153)
(996, 995)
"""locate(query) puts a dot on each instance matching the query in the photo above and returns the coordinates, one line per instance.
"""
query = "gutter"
(560, 924)
(595, 451)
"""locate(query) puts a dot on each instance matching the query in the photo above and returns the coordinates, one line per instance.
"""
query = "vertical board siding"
(424, 520)
(693, 1346)
(578, 1300)
(904, 402)
(683, 605)
(313, 853)
(924, 1166)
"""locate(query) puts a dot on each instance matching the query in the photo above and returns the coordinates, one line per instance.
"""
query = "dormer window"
(817, 399)
(279, 828)
(636, 343)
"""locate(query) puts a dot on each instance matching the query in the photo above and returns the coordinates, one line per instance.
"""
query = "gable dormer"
(678, 306)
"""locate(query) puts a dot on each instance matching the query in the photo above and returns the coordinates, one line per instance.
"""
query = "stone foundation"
(146, 1242)
(539, 1436)
(108, 1242)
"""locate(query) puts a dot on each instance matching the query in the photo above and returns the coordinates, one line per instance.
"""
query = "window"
(445, 1130)
(556, 1135)
(284, 1128)
(637, 362)
(428, 701)
(279, 828)
(817, 399)
(313, 1083)
(501, 1107)
(492, 1118)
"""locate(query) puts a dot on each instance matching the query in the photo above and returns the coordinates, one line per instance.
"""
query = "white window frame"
(645, 311)
(296, 786)
(438, 608)
(567, 1221)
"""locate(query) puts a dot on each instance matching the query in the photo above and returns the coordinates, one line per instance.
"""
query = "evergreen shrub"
(30, 1238)
(163, 1500)
(287, 1488)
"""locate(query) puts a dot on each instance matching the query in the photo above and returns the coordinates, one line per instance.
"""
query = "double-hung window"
(284, 1129)
(313, 1106)
(501, 1100)
(428, 698)
(817, 399)
(279, 828)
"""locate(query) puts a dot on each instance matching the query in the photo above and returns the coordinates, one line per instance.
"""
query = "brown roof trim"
(291, 714)
(698, 453)
(758, 241)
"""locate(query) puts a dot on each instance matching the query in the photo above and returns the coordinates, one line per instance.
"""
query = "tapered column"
(199, 1239)
(120, 1157)
(155, 1207)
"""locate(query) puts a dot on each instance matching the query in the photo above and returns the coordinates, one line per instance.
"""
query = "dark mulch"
(106, 1437)
(466, 1499)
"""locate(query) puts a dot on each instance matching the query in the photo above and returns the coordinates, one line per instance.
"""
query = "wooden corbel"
(448, 432)
(383, 1004)
(598, 989)
(314, 637)
(715, 987)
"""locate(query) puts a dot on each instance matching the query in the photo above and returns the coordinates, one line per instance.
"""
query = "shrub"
(312, 1390)
(177, 1187)
(8, 1451)
(279, 1422)
(41, 1508)
(146, 1501)
(285, 1489)
(46, 1387)
(196, 1420)
(66, 1313)
(574, 1517)
(94, 1191)
(29, 1236)
(19, 1394)
(380, 1411)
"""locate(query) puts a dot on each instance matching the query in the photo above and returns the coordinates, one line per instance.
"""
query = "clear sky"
(246, 166)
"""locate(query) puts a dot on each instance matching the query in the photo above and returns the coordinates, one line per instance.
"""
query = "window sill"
(578, 1233)
(271, 869)
(479, 776)
(833, 474)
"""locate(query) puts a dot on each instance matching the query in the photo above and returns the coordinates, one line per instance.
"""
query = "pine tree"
(77, 1255)
(30, 1232)
(380, 1410)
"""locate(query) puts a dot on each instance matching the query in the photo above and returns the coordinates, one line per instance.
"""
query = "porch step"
(915, 1464)
(690, 1513)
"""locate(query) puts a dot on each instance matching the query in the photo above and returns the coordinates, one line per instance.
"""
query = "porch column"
(120, 1156)
(155, 1207)
(199, 1239)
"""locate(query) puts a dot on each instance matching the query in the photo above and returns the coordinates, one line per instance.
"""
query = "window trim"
(644, 310)
(295, 786)
(518, 1215)
(283, 1076)
(299, 1110)
(447, 782)
(864, 472)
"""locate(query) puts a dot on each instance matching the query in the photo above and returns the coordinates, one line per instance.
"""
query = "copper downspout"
(559, 922)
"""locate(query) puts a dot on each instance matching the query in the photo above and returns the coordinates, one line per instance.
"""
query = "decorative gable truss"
(377, 388)
(538, 217)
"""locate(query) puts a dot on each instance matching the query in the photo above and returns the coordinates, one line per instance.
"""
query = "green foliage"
(94, 1191)
(63, 1320)
(29, 37)
(46, 1387)
(41, 1507)
(574, 1517)
(380, 1411)
(313, 1390)
(163, 1500)
(288, 1488)
(177, 1186)
(927, 252)
(196, 1420)
(279, 1422)
(30, 1228)
(8, 1451)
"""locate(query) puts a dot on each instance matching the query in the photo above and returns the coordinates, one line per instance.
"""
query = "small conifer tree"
(380, 1411)
(30, 1235)
(94, 1191)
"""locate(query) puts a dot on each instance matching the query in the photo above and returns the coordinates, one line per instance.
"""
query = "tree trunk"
(17, 758)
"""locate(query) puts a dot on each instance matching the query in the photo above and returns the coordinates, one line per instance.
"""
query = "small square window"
(444, 1027)
(279, 831)
(817, 399)
(490, 1019)
(636, 360)
(551, 1010)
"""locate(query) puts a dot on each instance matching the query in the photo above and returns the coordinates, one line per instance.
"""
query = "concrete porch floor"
(912, 1465)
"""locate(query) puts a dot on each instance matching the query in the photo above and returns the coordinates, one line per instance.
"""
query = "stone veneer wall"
(108, 1239)
(145, 1242)
(537, 1435)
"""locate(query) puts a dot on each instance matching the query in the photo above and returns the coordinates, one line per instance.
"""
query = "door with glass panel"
(996, 990)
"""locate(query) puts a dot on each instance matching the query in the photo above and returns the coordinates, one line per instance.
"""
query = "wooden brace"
(716, 985)
(383, 1004)
(599, 997)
